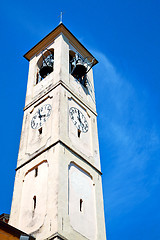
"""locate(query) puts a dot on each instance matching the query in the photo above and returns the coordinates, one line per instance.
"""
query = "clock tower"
(58, 188)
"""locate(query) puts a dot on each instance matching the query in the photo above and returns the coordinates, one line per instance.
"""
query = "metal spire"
(60, 17)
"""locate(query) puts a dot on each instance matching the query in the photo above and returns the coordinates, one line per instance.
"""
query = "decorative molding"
(68, 89)
(57, 236)
(68, 148)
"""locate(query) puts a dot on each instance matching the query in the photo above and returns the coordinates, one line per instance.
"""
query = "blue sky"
(124, 37)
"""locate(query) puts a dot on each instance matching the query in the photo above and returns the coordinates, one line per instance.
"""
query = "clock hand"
(79, 116)
(40, 116)
(43, 115)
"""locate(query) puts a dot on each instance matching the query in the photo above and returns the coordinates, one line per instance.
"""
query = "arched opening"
(71, 56)
(45, 65)
(78, 67)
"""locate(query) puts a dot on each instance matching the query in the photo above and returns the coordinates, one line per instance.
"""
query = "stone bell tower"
(58, 188)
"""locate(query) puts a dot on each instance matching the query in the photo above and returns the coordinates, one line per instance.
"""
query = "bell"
(79, 70)
(45, 70)
(47, 67)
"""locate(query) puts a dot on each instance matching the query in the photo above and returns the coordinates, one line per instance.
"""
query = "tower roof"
(61, 28)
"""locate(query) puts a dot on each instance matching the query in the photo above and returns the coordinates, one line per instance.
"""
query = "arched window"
(45, 65)
(71, 56)
(78, 67)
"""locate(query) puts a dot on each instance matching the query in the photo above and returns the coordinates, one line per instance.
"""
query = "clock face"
(41, 116)
(78, 119)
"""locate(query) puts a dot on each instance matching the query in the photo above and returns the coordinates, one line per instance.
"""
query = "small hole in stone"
(40, 130)
(79, 133)
(81, 201)
(34, 202)
(36, 172)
